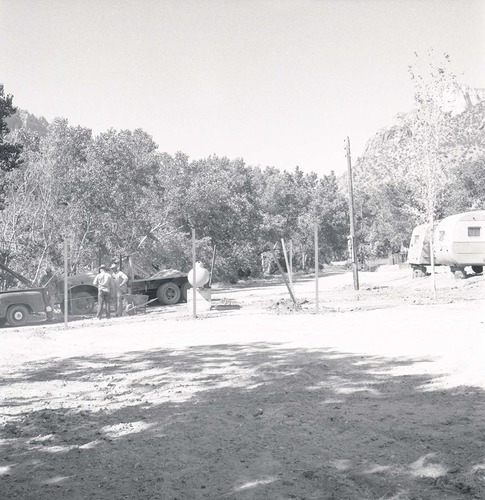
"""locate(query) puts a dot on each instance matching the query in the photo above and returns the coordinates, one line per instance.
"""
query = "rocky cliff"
(24, 120)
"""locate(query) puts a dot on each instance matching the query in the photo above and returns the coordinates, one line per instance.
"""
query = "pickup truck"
(18, 307)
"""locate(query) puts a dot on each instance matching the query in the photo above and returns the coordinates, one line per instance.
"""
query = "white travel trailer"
(419, 255)
(459, 242)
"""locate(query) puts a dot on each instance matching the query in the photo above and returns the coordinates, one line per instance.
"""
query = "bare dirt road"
(379, 396)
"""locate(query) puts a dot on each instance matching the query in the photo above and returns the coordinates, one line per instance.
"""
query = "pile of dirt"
(287, 306)
(167, 273)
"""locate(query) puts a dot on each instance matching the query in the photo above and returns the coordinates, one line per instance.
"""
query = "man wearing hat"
(120, 281)
(104, 283)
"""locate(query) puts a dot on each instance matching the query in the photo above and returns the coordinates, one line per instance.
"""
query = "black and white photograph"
(242, 249)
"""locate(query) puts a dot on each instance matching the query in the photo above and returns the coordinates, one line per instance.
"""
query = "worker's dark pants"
(119, 302)
(103, 301)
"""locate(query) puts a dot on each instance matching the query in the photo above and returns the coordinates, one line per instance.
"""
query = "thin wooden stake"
(316, 267)
(194, 277)
(288, 267)
(66, 290)
(280, 269)
(131, 272)
(212, 265)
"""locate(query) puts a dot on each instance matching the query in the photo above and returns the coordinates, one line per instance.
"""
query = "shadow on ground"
(237, 421)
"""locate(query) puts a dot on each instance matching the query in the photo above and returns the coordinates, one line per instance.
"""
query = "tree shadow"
(259, 420)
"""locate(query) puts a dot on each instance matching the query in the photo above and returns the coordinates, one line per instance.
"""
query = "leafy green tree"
(36, 218)
(333, 218)
(466, 187)
(426, 166)
(124, 189)
(216, 197)
(9, 153)
(291, 204)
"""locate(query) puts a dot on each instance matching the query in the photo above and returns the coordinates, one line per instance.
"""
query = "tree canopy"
(117, 194)
(9, 153)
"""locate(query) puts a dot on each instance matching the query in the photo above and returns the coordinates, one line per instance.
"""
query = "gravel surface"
(378, 396)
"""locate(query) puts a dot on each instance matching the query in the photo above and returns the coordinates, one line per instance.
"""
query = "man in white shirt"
(104, 283)
(120, 281)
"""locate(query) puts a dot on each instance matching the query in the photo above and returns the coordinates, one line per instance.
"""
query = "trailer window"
(473, 231)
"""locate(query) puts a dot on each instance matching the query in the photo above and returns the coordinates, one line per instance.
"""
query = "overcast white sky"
(278, 83)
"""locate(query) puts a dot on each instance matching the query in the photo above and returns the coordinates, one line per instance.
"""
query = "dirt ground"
(378, 396)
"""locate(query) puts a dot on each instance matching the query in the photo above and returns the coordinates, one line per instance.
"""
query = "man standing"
(51, 282)
(104, 283)
(120, 281)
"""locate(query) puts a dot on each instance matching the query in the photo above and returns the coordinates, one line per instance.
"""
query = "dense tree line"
(116, 194)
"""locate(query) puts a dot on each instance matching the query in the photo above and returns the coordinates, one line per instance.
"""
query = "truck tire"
(82, 303)
(183, 291)
(168, 294)
(419, 272)
(17, 315)
(477, 269)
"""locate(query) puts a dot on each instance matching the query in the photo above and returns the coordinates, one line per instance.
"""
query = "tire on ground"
(168, 294)
(82, 303)
(183, 291)
(477, 269)
(419, 272)
(17, 315)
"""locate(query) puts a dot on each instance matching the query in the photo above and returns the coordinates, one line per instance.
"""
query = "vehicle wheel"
(82, 303)
(183, 291)
(477, 269)
(17, 315)
(419, 272)
(168, 294)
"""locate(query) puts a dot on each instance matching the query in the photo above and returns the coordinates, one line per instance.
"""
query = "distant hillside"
(464, 102)
(390, 192)
(24, 120)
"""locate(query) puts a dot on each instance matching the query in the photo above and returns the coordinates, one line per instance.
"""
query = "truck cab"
(19, 307)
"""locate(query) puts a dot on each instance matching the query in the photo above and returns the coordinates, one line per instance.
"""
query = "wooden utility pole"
(290, 258)
(353, 241)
